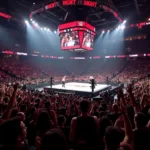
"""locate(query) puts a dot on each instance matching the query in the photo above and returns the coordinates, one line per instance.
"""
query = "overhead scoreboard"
(76, 36)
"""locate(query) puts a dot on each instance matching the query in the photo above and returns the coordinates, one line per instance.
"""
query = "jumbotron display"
(76, 36)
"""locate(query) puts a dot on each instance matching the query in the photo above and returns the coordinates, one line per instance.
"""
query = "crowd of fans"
(32, 119)
(135, 70)
(36, 72)
(42, 120)
(46, 120)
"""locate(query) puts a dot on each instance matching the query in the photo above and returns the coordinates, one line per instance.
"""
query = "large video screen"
(69, 40)
(88, 40)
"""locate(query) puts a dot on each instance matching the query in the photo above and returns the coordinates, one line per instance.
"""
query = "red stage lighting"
(5, 15)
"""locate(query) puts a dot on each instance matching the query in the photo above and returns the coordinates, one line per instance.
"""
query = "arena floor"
(80, 87)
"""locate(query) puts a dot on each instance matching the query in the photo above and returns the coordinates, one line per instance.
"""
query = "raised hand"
(120, 93)
(16, 86)
(121, 96)
(123, 108)
(129, 89)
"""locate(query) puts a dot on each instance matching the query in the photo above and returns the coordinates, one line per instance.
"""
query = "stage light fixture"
(48, 30)
(44, 28)
(55, 32)
(108, 30)
(148, 19)
(103, 31)
(26, 21)
(33, 3)
(36, 24)
(124, 21)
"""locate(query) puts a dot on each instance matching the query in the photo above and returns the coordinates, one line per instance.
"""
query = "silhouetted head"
(84, 106)
(113, 137)
(54, 140)
(140, 120)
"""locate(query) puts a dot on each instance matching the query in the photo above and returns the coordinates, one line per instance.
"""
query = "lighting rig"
(77, 35)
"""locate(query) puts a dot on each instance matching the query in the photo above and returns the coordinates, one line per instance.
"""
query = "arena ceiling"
(131, 10)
